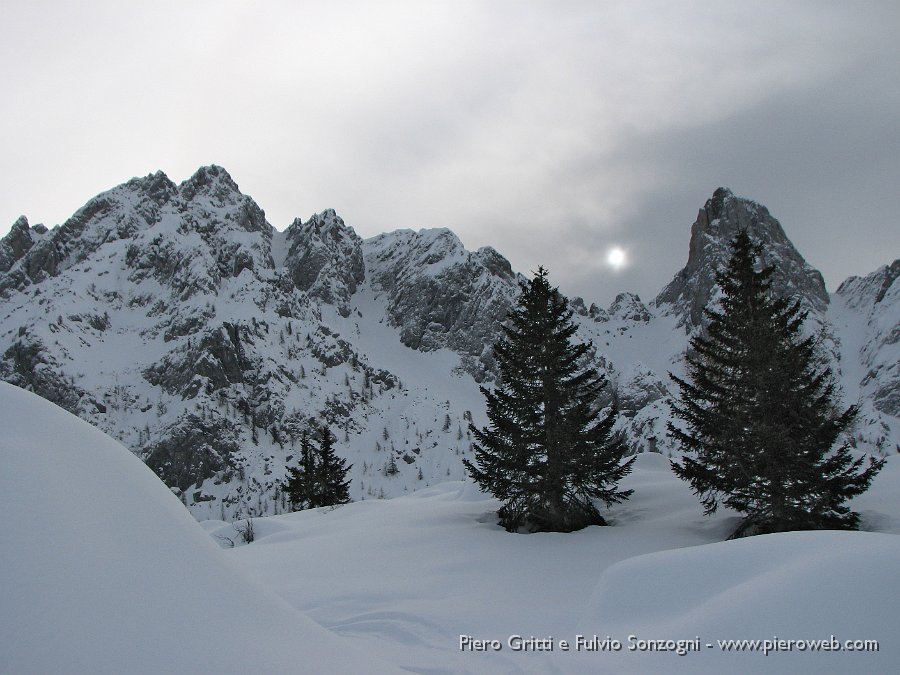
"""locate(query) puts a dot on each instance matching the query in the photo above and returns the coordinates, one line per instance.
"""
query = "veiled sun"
(616, 258)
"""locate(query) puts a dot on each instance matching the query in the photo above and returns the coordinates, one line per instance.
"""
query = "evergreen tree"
(300, 483)
(761, 413)
(390, 466)
(548, 453)
(321, 477)
(332, 485)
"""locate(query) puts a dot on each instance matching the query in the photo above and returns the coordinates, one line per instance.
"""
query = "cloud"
(548, 131)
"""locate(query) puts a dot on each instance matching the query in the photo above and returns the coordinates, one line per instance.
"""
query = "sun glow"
(616, 258)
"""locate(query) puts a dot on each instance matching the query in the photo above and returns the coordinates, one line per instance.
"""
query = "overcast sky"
(552, 131)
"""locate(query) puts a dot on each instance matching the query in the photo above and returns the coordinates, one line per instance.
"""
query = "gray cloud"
(550, 131)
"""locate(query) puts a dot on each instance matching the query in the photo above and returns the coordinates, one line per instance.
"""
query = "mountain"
(178, 320)
(718, 222)
(866, 317)
(441, 296)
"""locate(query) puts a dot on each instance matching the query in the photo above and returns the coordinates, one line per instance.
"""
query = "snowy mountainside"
(441, 295)
(866, 314)
(165, 321)
(179, 321)
(874, 300)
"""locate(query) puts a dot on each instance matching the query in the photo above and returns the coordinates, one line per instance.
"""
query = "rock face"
(718, 222)
(325, 259)
(875, 302)
(29, 364)
(15, 245)
(628, 307)
(440, 295)
(179, 321)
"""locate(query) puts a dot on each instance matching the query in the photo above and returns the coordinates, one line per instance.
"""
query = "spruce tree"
(762, 424)
(300, 483)
(332, 485)
(548, 452)
(321, 477)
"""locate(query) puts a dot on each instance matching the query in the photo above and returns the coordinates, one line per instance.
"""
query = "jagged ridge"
(177, 319)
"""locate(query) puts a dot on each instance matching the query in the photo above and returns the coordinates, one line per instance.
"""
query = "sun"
(616, 258)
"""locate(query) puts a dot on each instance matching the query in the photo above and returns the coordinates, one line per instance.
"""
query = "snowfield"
(102, 569)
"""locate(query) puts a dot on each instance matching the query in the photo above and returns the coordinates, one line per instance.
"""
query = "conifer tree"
(321, 477)
(548, 452)
(300, 483)
(762, 421)
(332, 485)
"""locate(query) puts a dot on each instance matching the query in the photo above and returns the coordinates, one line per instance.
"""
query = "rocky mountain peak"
(426, 251)
(891, 274)
(212, 181)
(20, 226)
(866, 292)
(27, 255)
(155, 186)
(15, 244)
(212, 194)
(495, 263)
(717, 223)
(628, 307)
(325, 258)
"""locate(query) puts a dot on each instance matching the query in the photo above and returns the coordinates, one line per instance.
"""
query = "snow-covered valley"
(103, 570)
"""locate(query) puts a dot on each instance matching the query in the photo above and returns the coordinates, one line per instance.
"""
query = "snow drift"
(407, 576)
(102, 569)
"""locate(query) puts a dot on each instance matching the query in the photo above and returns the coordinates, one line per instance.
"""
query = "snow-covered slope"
(405, 578)
(102, 570)
(871, 306)
(179, 321)
(175, 318)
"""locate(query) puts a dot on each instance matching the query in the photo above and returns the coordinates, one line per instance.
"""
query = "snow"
(103, 570)
(796, 585)
(280, 247)
(416, 572)
(307, 358)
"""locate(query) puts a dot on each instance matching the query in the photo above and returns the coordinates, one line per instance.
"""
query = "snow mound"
(795, 585)
(103, 570)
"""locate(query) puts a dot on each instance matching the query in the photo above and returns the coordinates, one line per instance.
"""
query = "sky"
(552, 131)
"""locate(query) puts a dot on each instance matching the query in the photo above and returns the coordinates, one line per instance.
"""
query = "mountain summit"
(179, 321)
(717, 224)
